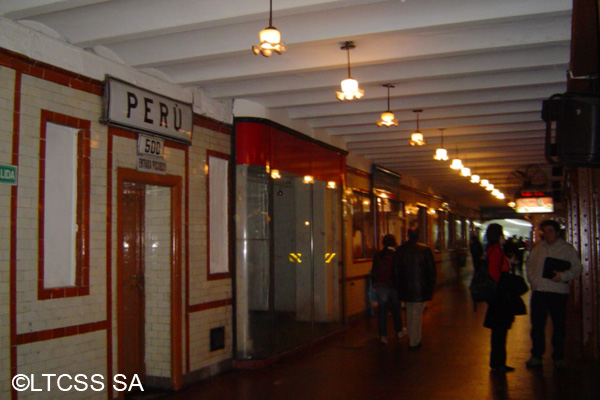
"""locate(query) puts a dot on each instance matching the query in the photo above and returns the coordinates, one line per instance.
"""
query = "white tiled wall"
(87, 353)
(33, 314)
(7, 85)
(61, 358)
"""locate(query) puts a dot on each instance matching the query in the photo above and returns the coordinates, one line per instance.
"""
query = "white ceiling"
(478, 68)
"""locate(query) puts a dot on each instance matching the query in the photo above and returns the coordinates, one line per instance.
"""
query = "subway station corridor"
(451, 365)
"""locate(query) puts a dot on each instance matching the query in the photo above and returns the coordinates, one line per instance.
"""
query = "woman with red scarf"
(499, 316)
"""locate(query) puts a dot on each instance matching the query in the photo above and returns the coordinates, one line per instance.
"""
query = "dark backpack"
(383, 275)
(482, 286)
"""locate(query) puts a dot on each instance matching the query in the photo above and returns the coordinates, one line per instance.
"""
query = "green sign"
(8, 174)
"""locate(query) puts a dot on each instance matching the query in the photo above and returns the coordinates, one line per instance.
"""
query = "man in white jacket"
(550, 295)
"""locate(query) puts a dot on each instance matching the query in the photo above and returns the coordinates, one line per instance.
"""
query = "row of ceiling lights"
(270, 41)
(441, 154)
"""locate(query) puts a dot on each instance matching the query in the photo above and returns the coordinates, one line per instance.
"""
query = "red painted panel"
(290, 153)
(261, 144)
(253, 143)
(327, 165)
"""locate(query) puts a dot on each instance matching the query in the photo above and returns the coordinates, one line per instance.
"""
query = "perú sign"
(128, 106)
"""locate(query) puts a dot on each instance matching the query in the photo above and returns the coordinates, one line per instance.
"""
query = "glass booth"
(288, 243)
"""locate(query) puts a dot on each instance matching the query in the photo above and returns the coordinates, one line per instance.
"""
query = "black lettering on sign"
(177, 124)
(132, 103)
(164, 113)
(147, 110)
(152, 147)
(146, 164)
(159, 166)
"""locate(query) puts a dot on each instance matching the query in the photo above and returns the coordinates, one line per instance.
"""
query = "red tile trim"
(14, 192)
(209, 305)
(212, 124)
(49, 72)
(56, 333)
(82, 273)
(222, 275)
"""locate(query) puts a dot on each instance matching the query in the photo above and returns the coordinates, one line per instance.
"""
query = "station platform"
(451, 365)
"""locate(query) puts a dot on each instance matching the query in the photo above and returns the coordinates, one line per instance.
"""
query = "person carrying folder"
(550, 294)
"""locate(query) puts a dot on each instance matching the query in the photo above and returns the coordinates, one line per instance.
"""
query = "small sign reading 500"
(150, 146)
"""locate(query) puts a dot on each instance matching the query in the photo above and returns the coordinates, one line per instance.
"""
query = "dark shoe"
(534, 362)
(503, 368)
(415, 347)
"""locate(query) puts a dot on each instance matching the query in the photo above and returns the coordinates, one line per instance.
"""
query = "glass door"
(288, 274)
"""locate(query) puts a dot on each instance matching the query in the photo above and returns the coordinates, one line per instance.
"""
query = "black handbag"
(482, 286)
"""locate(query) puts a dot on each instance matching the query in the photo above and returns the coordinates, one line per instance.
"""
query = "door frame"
(175, 183)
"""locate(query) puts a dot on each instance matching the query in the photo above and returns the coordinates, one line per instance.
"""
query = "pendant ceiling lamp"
(270, 38)
(416, 138)
(441, 154)
(350, 90)
(456, 162)
(475, 178)
(388, 118)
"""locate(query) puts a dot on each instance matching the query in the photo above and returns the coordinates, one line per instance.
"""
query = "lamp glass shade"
(489, 187)
(484, 182)
(270, 41)
(464, 171)
(269, 36)
(456, 164)
(349, 85)
(387, 119)
(416, 139)
(475, 178)
(350, 90)
(441, 155)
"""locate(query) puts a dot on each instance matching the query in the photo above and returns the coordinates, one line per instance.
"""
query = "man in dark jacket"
(416, 280)
(383, 276)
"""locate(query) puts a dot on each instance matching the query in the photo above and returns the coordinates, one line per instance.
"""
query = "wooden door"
(132, 279)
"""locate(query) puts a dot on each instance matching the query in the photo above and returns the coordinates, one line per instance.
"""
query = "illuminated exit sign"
(8, 174)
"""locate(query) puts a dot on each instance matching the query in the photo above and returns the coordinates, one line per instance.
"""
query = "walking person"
(506, 302)
(476, 249)
(550, 294)
(383, 276)
(416, 281)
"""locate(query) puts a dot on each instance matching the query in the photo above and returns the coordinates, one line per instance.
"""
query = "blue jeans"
(385, 296)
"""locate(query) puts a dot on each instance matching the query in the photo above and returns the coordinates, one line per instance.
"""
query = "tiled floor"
(451, 365)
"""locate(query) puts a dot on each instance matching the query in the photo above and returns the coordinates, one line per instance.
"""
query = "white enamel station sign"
(131, 107)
